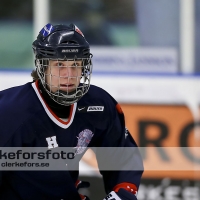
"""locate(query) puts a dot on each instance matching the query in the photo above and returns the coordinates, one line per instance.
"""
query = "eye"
(74, 64)
(59, 64)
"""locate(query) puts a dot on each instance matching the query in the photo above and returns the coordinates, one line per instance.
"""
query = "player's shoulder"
(15, 89)
(97, 96)
(14, 102)
(17, 100)
(96, 92)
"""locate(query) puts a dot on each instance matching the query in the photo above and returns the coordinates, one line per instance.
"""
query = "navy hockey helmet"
(63, 43)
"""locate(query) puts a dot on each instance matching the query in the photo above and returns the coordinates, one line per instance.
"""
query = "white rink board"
(132, 89)
(154, 89)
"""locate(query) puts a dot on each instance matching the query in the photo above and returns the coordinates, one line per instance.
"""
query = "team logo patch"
(47, 30)
(52, 143)
(84, 139)
(81, 108)
(95, 108)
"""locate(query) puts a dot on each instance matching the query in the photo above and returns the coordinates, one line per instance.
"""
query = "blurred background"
(147, 56)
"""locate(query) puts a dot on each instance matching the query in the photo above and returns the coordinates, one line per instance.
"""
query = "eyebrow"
(55, 62)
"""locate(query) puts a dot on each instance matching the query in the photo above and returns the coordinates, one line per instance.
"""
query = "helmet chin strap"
(66, 98)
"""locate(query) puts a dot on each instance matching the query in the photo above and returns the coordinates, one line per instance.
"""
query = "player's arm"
(125, 177)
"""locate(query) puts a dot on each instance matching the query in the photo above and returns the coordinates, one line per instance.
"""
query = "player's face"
(63, 75)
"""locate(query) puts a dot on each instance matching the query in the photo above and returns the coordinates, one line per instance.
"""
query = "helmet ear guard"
(65, 43)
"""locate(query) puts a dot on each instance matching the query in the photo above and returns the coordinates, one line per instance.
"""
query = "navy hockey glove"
(82, 184)
(123, 191)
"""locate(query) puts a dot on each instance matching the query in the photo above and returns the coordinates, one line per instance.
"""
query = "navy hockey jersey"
(26, 121)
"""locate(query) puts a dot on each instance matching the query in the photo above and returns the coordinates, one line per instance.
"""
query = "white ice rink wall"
(140, 89)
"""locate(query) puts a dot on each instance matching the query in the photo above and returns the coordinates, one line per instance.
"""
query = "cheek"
(79, 72)
(48, 76)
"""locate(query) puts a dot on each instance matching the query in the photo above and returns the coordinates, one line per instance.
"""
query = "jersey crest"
(84, 139)
(47, 30)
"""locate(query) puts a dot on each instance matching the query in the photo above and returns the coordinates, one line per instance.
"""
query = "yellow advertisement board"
(171, 138)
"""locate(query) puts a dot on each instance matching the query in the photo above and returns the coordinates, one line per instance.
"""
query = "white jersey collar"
(51, 114)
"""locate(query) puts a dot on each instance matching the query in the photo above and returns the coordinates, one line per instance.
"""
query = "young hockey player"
(61, 109)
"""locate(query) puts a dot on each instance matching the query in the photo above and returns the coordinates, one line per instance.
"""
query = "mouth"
(67, 87)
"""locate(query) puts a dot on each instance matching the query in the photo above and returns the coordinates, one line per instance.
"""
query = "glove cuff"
(127, 186)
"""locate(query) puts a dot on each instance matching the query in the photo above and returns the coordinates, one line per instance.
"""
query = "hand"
(82, 184)
(122, 194)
